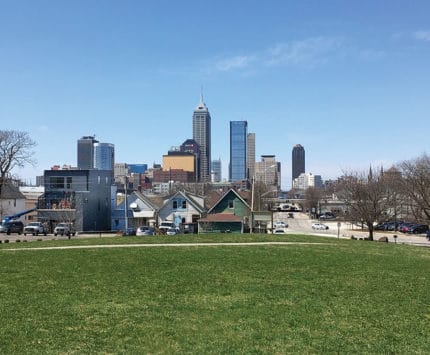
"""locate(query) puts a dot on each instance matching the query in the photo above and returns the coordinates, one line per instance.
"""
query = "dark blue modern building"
(137, 168)
(238, 151)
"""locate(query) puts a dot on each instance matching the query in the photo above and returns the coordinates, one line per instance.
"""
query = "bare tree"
(368, 198)
(16, 150)
(415, 186)
(312, 198)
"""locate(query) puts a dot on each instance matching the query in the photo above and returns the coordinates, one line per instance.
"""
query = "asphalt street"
(302, 223)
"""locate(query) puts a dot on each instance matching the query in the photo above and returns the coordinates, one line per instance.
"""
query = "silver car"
(145, 230)
(319, 226)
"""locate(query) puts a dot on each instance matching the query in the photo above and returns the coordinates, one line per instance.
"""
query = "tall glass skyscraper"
(298, 161)
(238, 151)
(104, 156)
(202, 135)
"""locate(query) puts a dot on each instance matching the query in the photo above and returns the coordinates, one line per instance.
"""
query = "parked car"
(280, 224)
(172, 231)
(319, 226)
(64, 229)
(381, 226)
(327, 215)
(418, 229)
(12, 227)
(35, 228)
(279, 231)
(404, 227)
(145, 230)
(164, 226)
(130, 231)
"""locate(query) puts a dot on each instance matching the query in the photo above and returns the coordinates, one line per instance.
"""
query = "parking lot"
(302, 223)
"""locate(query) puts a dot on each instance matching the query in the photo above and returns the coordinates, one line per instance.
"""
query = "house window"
(230, 204)
(69, 182)
(184, 204)
(175, 204)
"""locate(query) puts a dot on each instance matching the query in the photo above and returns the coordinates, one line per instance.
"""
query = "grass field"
(337, 297)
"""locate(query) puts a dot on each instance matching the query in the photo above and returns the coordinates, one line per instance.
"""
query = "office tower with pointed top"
(298, 161)
(202, 135)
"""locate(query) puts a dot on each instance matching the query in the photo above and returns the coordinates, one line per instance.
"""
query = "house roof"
(223, 196)
(9, 191)
(147, 200)
(188, 197)
(221, 217)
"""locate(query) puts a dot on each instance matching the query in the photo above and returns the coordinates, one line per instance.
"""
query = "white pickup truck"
(35, 228)
(64, 229)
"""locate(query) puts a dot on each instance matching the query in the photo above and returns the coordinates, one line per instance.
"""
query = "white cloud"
(422, 35)
(308, 52)
(237, 62)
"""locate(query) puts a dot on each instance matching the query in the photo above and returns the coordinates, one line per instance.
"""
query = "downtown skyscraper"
(104, 156)
(298, 161)
(202, 135)
(86, 152)
(95, 155)
(238, 150)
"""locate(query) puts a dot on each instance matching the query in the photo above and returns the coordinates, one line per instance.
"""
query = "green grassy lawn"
(338, 297)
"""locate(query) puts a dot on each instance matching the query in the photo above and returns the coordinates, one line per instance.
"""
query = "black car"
(418, 228)
(327, 215)
(12, 227)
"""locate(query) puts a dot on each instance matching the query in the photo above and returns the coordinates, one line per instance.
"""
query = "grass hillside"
(335, 296)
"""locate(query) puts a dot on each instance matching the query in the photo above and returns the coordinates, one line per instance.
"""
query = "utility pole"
(125, 205)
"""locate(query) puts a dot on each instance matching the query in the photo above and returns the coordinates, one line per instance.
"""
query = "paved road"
(301, 223)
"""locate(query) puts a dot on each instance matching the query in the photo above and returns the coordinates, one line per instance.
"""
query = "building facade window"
(56, 182)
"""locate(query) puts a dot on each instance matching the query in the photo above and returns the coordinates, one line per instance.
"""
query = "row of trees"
(402, 192)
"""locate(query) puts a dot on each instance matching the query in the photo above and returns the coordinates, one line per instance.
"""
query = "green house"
(230, 214)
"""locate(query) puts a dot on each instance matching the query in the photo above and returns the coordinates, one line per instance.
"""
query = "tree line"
(400, 193)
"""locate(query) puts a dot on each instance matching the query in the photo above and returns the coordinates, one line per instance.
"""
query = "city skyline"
(340, 78)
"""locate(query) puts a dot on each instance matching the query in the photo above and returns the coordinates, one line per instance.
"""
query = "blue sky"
(349, 80)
